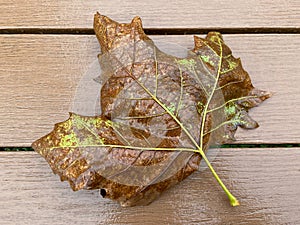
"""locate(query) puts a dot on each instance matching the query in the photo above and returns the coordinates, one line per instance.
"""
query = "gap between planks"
(156, 31)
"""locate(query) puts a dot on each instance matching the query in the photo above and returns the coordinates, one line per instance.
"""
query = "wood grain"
(266, 181)
(161, 14)
(39, 76)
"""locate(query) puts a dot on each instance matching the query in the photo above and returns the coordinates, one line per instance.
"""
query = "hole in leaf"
(103, 192)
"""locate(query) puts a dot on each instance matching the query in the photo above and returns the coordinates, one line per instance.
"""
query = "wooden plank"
(39, 76)
(192, 14)
(266, 181)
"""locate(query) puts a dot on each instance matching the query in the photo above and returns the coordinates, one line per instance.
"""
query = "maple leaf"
(159, 115)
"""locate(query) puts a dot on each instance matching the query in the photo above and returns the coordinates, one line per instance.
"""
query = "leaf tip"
(198, 42)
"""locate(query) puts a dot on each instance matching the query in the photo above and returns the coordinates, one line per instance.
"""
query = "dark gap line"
(156, 31)
(283, 145)
(287, 145)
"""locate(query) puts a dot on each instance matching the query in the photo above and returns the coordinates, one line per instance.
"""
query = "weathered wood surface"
(158, 14)
(39, 75)
(266, 181)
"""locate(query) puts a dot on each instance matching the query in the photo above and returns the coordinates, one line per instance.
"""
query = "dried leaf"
(160, 114)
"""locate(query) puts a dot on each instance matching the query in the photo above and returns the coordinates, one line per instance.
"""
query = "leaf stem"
(233, 201)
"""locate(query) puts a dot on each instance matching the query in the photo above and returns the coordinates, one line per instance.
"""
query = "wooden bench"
(39, 74)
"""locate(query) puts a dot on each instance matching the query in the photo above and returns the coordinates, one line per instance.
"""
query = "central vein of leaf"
(232, 199)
